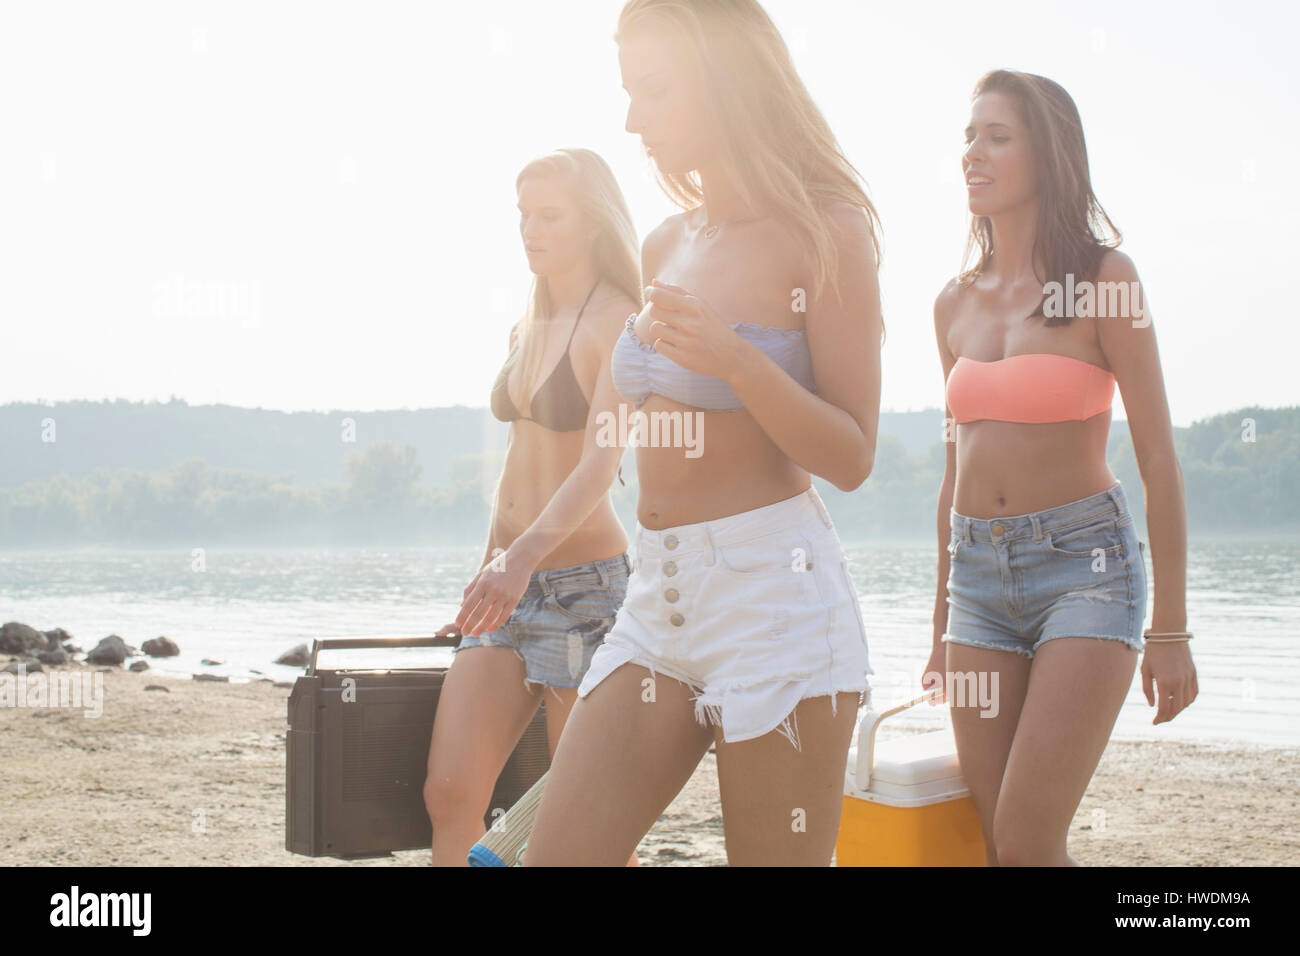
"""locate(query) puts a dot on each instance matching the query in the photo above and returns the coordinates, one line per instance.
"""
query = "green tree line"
(1241, 471)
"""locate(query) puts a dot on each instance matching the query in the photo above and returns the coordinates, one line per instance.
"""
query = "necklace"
(711, 231)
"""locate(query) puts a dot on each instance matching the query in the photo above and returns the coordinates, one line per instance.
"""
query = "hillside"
(163, 474)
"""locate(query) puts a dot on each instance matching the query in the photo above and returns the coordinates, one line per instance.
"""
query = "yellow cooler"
(905, 802)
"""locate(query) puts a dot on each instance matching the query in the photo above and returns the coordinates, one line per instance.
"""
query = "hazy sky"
(311, 205)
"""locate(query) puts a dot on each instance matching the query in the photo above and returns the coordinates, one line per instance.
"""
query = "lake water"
(246, 607)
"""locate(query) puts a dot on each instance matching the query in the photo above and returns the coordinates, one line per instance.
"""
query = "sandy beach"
(194, 776)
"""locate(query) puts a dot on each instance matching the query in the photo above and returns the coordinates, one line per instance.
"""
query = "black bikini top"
(558, 404)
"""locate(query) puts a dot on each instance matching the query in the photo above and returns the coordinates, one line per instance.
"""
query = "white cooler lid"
(911, 770)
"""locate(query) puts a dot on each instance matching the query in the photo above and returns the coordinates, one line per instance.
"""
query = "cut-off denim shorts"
(561, 620)
(1075, 570)
(753, 612)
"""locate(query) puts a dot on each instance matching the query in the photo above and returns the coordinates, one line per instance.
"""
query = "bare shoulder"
(671, 226)
(845, 215)
(604, 322)
(609, 315)
(1116, 266)
(1119, 294)
(849, 223)
(946, 304)
(659, 243)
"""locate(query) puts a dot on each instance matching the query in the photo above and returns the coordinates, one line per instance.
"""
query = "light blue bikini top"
(638, 371)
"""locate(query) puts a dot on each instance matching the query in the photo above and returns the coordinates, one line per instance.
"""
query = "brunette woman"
(1042, 590)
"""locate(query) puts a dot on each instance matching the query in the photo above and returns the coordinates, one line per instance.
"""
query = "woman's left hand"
(494, 593)
(685, 329)
(1169, 674)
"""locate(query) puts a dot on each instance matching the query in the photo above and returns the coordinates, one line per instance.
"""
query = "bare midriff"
(741, 469)
(538, 461)
(1008, 468)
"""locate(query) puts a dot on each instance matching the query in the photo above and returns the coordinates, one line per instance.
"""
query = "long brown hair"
(615, 251)
(776, 144)
(1072, 231)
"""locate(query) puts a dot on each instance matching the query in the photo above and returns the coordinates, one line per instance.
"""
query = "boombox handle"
(358, 643)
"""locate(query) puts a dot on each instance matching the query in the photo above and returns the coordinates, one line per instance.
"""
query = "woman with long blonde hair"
(754, 365)
(543, 598)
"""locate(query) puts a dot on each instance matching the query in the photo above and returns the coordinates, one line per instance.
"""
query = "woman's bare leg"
(483, 710)
(781, 806)
(559, 702)
(983, 743)
(1076, 688)
(628, 747)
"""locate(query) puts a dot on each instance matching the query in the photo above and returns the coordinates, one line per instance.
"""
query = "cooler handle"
(358, 643)
(867, 737)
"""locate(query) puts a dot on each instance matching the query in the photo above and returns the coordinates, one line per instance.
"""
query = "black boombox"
(358, 755)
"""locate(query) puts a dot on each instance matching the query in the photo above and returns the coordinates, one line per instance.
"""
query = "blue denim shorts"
(1075, 570)
(561, 620)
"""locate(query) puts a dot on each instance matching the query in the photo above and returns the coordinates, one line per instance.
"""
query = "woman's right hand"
(932, 678)
(448, 630)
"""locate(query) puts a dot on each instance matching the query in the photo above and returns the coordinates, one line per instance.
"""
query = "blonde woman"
(542, 599)
(761, 344)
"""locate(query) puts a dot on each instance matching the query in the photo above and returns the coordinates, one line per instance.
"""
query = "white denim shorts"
(753, 611)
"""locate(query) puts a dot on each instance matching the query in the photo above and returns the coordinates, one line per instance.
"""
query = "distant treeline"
(1242, 473)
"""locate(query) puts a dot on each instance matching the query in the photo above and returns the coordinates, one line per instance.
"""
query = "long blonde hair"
(776, 144)
(615, 251)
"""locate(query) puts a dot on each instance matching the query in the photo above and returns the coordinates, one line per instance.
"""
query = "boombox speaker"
(358, 750)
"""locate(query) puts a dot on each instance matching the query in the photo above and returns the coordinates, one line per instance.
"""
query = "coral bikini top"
(1033, 389)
